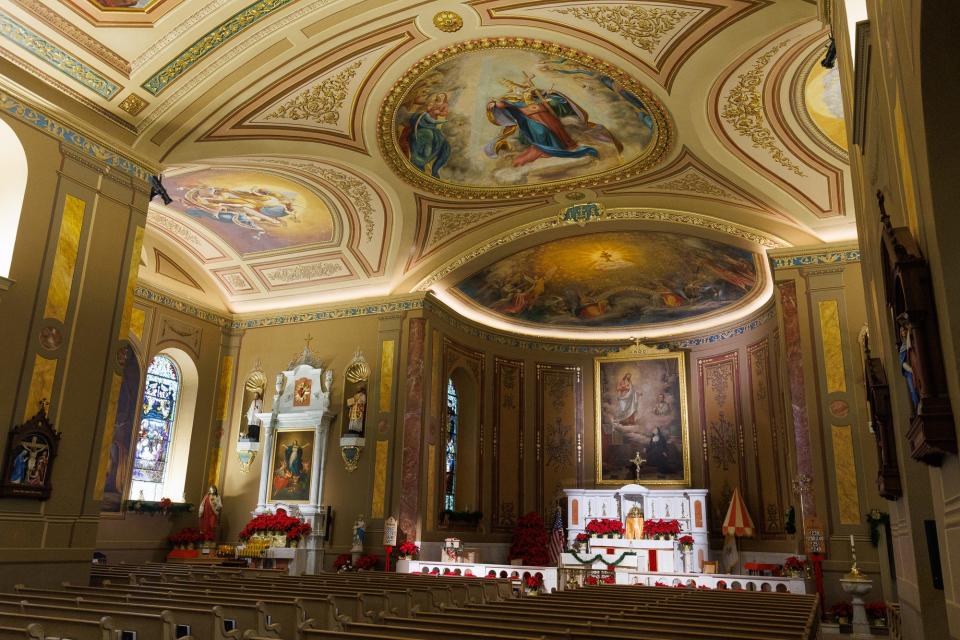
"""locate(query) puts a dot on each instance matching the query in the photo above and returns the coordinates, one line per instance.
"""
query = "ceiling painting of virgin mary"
(615, 280)
(252, 211)
(496, 117)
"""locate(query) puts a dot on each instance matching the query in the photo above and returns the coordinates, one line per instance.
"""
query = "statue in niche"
(359, 531)
(210, 508)
(908, 364)
(357, 411)
(252, 432)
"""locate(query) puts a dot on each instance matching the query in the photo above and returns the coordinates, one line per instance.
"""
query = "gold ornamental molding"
(387, 133)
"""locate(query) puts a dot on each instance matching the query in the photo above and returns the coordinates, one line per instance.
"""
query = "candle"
(851, 541)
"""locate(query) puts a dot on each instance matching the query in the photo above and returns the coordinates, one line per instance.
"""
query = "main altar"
(633, 505)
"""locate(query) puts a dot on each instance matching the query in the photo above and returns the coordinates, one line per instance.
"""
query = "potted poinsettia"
(533, 584)
(877, 612)
(407, 550)
(841, 612)
(343, 563)
(605, 528)
(794, 566)
(366, 563)
(580, 541)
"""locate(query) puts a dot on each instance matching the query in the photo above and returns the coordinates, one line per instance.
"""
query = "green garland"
(154, 507)
(600, 558)
(876, 519)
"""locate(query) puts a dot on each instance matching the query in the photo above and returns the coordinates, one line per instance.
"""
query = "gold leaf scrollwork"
(644, 27)
(696, 183)
(322, 102)
(743, 110)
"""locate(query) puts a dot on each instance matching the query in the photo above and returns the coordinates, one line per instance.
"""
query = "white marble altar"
(310, 410)
(687, 506)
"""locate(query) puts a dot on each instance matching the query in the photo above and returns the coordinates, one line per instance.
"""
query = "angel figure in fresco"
(519, 292)
(421, 138)
(543, 122)
(253, 208)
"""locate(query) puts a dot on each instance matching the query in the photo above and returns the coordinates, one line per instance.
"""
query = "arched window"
(450, 457)
(161, 395)
(13, 168)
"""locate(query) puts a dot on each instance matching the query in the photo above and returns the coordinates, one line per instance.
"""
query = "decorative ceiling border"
(66, 28)
(399, 304)
(688, 160)
(639, 214)
(36, 118)
(813, 257)
(209, 42)
(387, 134)
(720, 14)
(432, 305)
(121, 16)
(61, 60)
(151, 294)
(403, 36)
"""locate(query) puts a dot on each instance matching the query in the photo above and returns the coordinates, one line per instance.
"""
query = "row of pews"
(165, 602)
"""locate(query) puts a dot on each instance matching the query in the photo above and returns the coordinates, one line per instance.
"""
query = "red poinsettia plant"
(793, 563)
(185, 537)
(407, 549)
(685, 542)
(592, 580)
(659, 583)
(366, 562)
(661, 528)
(344, 562)
(876, 610)
(278, 522)
(841, 610)
(609, 580)
(530, 541)
(605, 527)
(533, 582)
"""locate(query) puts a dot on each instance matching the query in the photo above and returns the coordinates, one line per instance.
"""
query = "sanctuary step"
(170, 602)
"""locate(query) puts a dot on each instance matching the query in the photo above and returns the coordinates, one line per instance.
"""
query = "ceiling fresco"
(251, 211)
(321, 151)
(625, 279)
(494, 117)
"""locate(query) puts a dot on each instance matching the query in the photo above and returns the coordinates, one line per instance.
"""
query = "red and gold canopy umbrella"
(738, 522)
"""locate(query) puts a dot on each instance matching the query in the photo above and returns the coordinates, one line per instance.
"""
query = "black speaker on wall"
(933, 548)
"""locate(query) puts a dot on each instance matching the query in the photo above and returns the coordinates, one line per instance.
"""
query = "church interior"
(479, 318)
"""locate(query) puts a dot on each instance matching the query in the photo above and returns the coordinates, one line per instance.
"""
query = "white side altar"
(301, 404)
(686, 506)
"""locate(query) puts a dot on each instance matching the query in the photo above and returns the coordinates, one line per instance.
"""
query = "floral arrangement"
(164, 507)
(279, 523)
(366, 563)
(534, 582)
(605, 527)
(344, 562)
(609, 580)
(876, 610)
(794, 564)
(661, 529)
(679, 585)
(592, 581)
(185, 537)
(685, 542)
(530, 541)
(841, 610)
(659, 583)
(407, 550)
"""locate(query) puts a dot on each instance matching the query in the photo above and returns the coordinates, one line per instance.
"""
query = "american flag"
(555, 543)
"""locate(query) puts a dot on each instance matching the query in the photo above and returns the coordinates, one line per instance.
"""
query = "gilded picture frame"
(642, 422)
(291, 465)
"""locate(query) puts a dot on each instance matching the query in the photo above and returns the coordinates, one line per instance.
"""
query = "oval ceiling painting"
(252, 211)
(824, 103)
(615, 280)
(493, 118)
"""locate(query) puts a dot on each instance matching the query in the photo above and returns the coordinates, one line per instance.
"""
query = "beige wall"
(82, 301)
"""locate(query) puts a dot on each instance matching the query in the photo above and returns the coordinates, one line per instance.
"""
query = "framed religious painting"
(28, 466)
(641, 418)
(291, 465)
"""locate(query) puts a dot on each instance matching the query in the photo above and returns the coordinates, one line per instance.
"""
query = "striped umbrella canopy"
(738, 522)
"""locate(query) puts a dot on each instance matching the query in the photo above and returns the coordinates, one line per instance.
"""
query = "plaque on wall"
(28, 465)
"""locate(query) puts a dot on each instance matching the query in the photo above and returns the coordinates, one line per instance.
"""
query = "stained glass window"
(450, 453)
(161, 393)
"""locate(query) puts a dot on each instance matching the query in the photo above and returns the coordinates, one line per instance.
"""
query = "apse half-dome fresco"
(252, 211)
(615, 280)
(496, 117)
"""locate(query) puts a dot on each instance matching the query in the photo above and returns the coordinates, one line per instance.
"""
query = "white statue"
(359, 530)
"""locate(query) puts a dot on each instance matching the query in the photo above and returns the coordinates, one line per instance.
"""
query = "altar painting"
(290, 466)
(517, 114)
(641, 413)
(615, 279)
(252, 211)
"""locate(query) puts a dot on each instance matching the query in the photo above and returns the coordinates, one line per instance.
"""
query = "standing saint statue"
(358, 410)
(210, 508)
(253, 418)
(359, 530)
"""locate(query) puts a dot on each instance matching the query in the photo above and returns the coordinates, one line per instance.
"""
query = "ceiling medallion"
(535, 118)
(448, 21)
(133, 104)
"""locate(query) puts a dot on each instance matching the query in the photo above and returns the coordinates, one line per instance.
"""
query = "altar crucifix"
(638, 461)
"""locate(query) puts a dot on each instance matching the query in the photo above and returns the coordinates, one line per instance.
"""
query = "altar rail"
(480, 570)
(571, 577)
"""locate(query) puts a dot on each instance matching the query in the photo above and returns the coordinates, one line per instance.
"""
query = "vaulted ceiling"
(322, 150)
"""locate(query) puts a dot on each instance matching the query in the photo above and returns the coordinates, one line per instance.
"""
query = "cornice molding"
(797, 257)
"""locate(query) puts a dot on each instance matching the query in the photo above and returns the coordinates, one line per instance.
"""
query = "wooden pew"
(75, 629)
(159, 626)
(32, 631)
